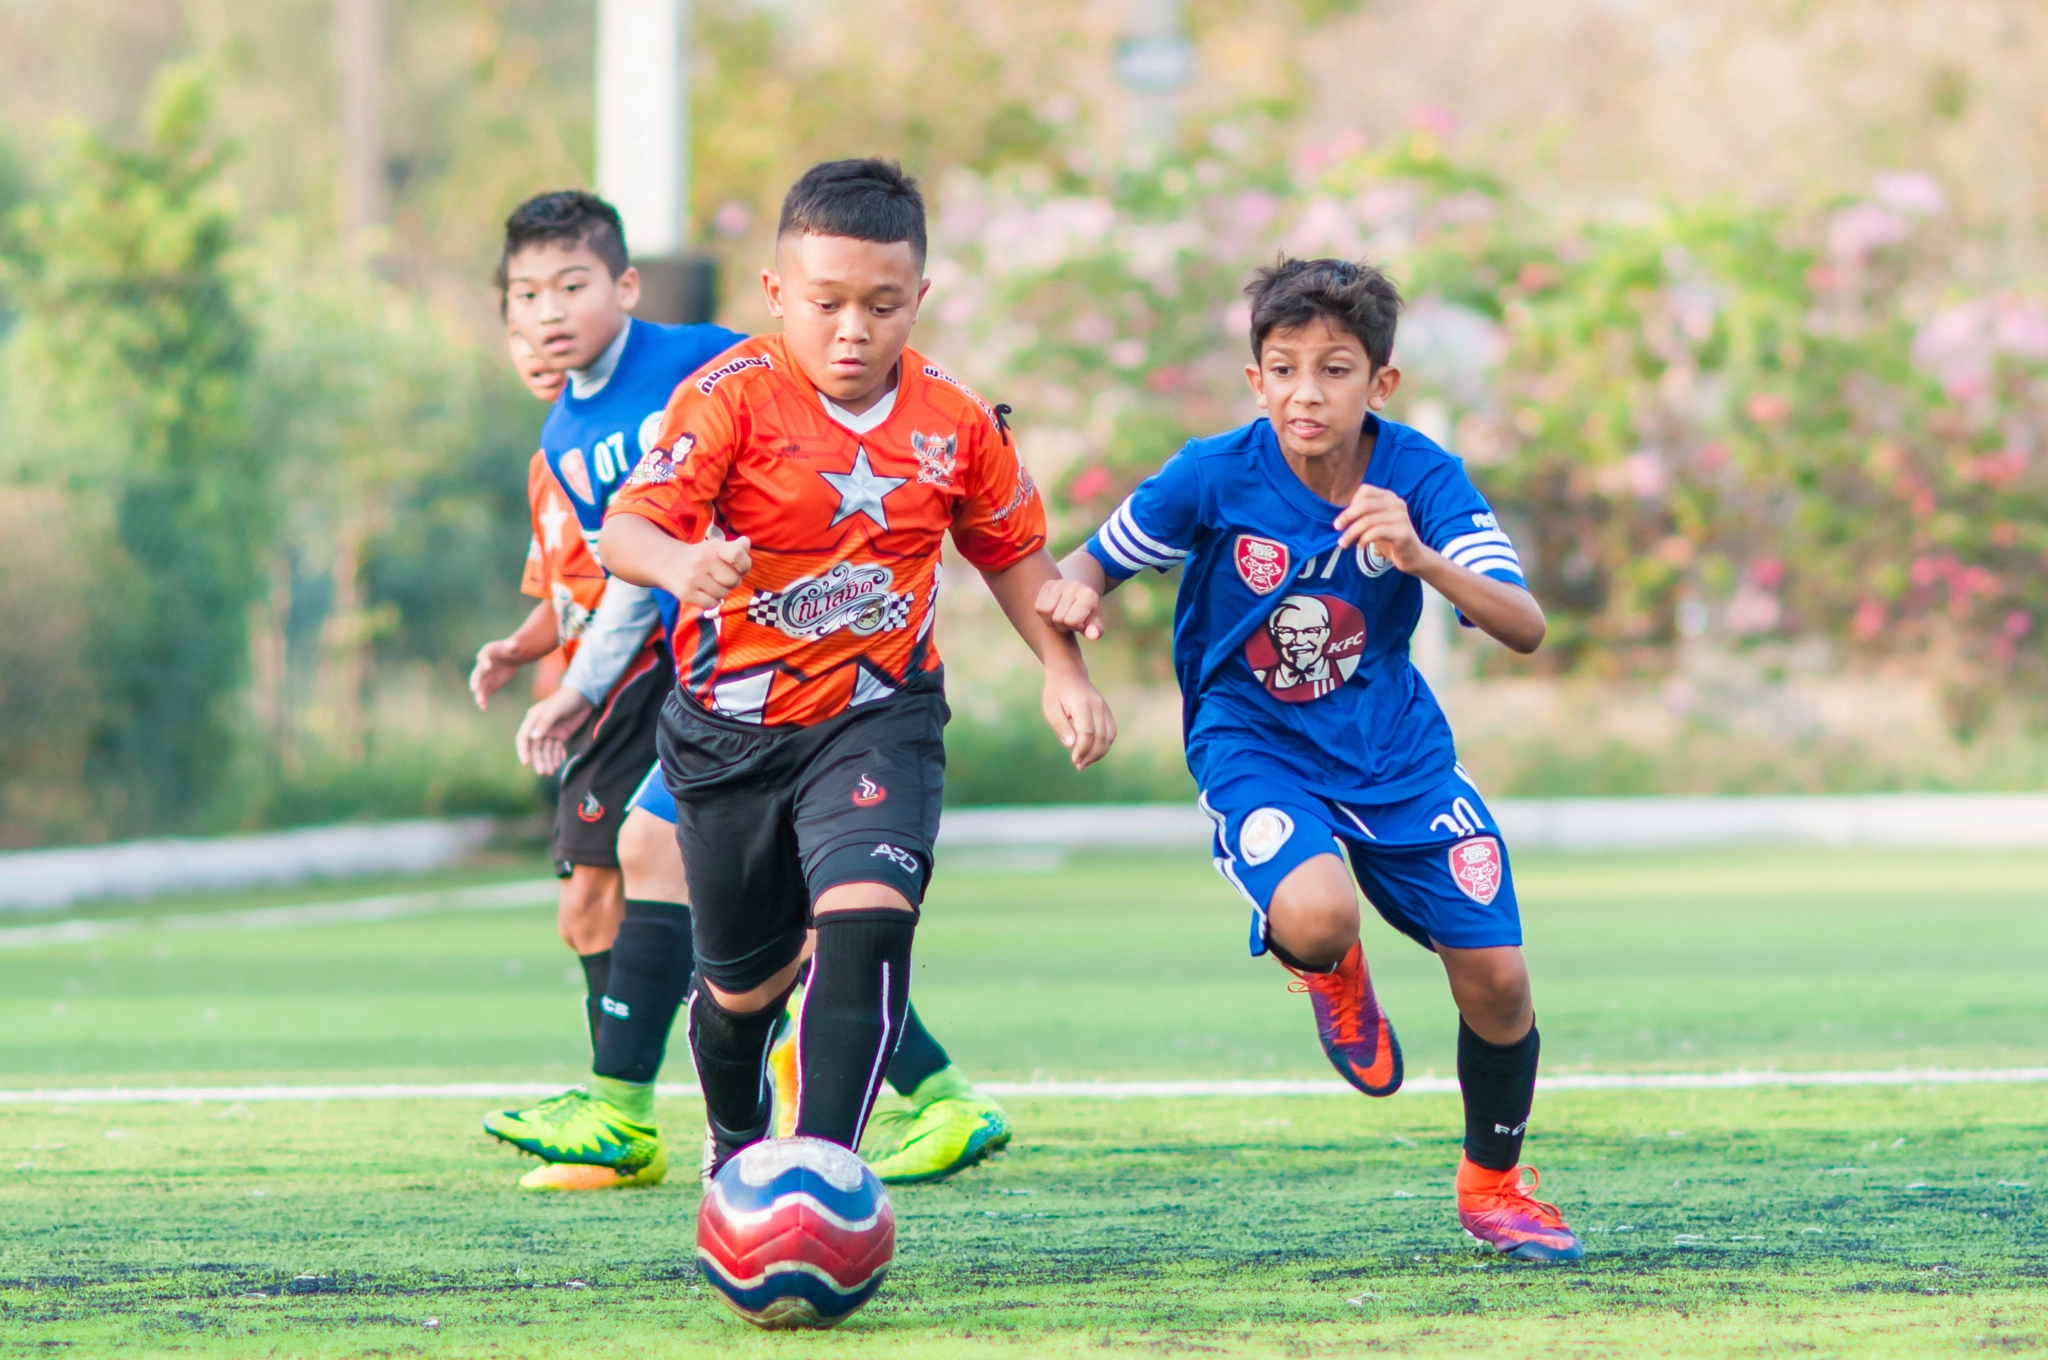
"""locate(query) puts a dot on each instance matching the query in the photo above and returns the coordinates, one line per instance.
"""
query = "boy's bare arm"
(499, 660)
(1073, 707)
(1072, 601)
(699, 574)
(1502, 610)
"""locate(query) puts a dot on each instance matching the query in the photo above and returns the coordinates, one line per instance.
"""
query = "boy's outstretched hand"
(1071, 607)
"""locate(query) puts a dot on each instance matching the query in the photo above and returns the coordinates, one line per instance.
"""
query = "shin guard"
(1499, 1085)
(852, 1020)
(650, 975)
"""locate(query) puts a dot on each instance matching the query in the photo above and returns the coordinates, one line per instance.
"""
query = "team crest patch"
(571, 618)
(1475, 864)
(659, 467)
(867, 793)
(590, 810)
(935, 457)
(576, 476)
(1372, 561)
(1310, 645)
(1262, 835)
(1262, 562)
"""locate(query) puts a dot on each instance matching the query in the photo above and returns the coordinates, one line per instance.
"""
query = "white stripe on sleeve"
(1142, 539)
(1118, 527)
(1468, 541)
(1107, 540)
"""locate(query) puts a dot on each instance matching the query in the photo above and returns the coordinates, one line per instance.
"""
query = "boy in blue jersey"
(569, 292)
(1305, 538)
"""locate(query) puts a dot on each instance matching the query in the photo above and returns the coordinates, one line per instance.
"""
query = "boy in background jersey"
(796, 502)
(569, 291)
(1305, 538)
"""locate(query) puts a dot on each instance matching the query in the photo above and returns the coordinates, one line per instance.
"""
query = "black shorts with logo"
(608, 757)
(768, 818)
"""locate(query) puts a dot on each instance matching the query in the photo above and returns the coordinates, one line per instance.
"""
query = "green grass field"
(1864, 1221)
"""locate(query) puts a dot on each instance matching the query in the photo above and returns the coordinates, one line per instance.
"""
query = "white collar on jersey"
(585, 383)
(868, 419)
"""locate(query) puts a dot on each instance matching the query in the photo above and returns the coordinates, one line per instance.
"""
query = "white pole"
(643, 100)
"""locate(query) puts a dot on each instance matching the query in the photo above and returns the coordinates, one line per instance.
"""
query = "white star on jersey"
(861, 491)
(552, 519)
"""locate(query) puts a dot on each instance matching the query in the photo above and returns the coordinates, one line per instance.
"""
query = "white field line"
(492, 897)
(1066, 1090)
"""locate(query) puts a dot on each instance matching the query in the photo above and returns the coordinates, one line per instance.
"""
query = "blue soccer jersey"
(592, 443)
(1285, 645)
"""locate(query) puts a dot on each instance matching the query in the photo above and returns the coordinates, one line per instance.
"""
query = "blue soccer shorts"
(1434, 865)
(653, 796)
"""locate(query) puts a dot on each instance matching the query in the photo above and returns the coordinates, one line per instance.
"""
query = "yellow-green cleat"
(947, 1127)
(587, 1143)
(782, 1073)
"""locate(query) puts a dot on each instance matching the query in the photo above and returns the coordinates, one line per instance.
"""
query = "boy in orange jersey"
(796, 501)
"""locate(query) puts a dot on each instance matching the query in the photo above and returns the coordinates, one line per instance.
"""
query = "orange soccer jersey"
(845, 527)
(561, 566)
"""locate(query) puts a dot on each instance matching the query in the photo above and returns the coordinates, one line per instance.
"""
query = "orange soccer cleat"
(1356, 1036)
(1497, 1209)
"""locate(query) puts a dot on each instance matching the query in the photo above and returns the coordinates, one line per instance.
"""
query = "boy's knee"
(1314, 913)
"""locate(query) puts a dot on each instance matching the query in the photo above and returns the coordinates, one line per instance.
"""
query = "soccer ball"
(795, 1232)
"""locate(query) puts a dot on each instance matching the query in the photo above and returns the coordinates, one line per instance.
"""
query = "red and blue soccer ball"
(795, 1232)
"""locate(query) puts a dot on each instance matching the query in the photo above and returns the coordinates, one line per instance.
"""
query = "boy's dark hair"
(868, 200)
(570, 217)
(1354, 297)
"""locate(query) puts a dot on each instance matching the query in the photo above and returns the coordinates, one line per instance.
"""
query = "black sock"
(1499, 1083)
(597, 971)
(650, 976)
(731, 1050)
(917, 1056)
(852, 1020)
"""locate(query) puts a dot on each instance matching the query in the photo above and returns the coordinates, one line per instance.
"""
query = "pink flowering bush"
(1724, 423)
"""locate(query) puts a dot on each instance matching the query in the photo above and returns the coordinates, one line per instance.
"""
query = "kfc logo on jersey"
(935, 457)
(1310, 645)
(576, 477)
(657, 469)
(867, 793)
(1262, 562)
(1476, 867)
(848, 596)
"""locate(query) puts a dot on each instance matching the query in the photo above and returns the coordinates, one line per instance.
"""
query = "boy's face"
(847, 307)
(540, 380)
(566, 303)
(1315, 384)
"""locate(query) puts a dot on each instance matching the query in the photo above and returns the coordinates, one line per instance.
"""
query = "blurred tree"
(133, 358)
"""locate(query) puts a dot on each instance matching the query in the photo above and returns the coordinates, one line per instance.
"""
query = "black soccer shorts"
(608, 757)
(771, 817)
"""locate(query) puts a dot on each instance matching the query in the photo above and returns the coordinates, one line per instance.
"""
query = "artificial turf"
(1869, 1221)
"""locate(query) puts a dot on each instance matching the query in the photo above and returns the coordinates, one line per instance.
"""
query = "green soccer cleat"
(576, 1129)
(948, 1127)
